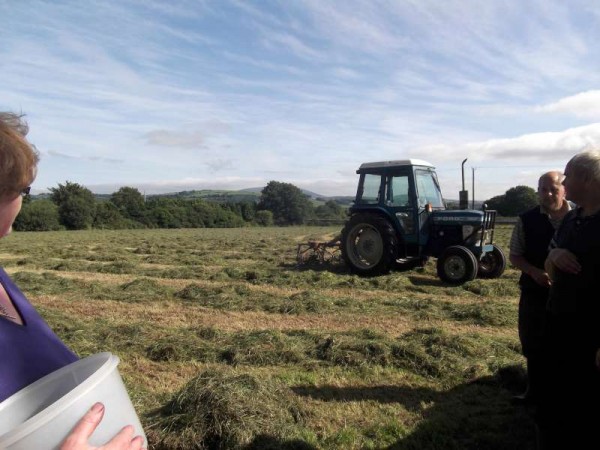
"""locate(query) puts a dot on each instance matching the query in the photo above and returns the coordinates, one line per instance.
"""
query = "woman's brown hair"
(18, 158)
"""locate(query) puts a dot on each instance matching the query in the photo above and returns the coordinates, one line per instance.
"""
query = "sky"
(167, 96)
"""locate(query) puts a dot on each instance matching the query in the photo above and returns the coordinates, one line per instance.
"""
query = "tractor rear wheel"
(492, 264)
(369, 244)
(457, 265)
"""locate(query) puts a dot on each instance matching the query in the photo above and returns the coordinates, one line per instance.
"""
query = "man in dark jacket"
(569, 412)
(528, 251)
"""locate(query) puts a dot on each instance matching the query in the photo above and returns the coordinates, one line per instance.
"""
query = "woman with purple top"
(29, 349)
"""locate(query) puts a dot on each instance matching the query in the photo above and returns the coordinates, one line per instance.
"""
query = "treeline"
(74, 207)
(514, 201)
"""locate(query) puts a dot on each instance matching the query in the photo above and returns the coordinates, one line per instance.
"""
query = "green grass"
(226, 343)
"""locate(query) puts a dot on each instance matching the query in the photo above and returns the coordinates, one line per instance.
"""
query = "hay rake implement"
(319, 252)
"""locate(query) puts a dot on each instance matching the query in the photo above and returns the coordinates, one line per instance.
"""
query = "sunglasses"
(25, 191)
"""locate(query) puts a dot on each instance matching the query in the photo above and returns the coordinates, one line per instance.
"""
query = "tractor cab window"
(428, 189)
(398, 191)
(369, 189)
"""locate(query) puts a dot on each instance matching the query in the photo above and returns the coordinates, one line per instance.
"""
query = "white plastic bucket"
(41, 415)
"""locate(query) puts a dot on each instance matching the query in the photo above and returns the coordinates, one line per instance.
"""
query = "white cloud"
(543, 147)
(584, 105)
(195, 137)
(167, 138)
(540, 146)
(345, 73)
(89, 158)
(219, 165)
(279, 41)
(360, 25)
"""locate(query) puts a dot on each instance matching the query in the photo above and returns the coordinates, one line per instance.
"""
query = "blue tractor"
(399, 219)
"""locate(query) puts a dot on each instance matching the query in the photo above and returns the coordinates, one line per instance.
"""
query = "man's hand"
(540, 277)
(564, 260)
(78, 439)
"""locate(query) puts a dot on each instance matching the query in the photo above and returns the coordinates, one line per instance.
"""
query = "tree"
(76, 205)
(248, 211)
(211, 215)
(496, 202)
(39, 215)
(287, 202)
(109, 217)
(162, 212)
(130, 203)
(245, 209)
(330, 210)
(514, 201)
(264, 218)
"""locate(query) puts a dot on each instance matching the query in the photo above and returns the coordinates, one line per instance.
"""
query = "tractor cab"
(407, 192)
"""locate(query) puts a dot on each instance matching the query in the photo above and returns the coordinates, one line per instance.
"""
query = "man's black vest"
(538, 232)
(578, 293)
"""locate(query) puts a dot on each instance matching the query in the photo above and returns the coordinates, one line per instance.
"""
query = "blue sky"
(170, 96)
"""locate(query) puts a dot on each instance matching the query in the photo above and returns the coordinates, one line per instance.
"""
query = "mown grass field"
(225, 343)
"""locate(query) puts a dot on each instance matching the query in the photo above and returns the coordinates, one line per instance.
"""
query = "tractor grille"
(489, 221)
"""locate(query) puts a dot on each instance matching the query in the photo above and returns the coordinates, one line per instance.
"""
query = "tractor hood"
(457, 217)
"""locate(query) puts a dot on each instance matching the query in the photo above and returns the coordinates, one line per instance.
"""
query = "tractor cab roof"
(388, 165)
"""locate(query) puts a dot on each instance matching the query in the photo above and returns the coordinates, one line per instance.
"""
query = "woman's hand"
(78, 439)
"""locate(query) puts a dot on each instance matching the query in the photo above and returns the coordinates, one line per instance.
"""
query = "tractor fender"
(378, 210)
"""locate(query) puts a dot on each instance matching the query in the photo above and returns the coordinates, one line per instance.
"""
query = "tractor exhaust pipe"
(463, 195)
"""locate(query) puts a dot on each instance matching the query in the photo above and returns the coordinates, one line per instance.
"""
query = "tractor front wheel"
(492, 264)
(369, 244)
(457, 265)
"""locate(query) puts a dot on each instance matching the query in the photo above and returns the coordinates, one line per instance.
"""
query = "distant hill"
(248, 195)
(253, 195)
(312, 195)
(225, 196)
(211, 195)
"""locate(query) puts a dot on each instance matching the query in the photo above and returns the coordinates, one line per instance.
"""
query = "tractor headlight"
(467, 231)
(472, 236)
